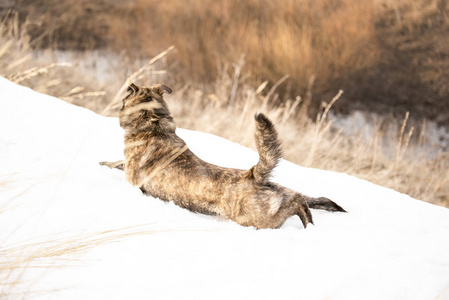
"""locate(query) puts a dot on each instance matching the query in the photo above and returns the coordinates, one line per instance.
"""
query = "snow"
(94, 236)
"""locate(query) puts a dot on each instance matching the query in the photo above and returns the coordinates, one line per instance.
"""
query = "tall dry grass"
(22, 265)
(392, 155)
(378, 51)
(18, 63)
(304, 39)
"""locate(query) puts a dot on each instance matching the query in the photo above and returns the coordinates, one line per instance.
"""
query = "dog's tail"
(268, 146)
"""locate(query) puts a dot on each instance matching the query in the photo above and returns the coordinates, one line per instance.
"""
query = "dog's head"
(144, 108)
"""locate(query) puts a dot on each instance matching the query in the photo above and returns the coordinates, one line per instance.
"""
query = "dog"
(161, 165)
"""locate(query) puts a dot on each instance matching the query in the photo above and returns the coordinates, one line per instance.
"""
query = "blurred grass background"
(383, 53)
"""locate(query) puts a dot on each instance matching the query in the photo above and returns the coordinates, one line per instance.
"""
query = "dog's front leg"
(117, 165)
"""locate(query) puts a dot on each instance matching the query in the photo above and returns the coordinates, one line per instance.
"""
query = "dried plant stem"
(27, 74)
(115, 103)
(320, 129)
(402, 145)
(235, 80)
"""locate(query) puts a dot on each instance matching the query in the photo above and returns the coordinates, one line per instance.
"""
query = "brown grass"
(18, 64)
(304, 39)
(294, 47)
(390, 157)
(395, 155)
(366, 47)
(276, 39)
(51, 254)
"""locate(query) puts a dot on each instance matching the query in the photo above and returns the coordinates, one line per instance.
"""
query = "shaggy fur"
(161, 165)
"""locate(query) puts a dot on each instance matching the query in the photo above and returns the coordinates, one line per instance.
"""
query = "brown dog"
(161, 165)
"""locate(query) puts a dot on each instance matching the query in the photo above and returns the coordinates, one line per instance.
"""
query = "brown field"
(232, 59)
(389, 56)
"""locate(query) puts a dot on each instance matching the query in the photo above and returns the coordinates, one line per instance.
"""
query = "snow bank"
(95, 236)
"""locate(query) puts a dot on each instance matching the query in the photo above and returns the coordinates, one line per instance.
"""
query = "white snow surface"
(55, 196)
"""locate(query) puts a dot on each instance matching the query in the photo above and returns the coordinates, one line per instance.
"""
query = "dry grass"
(18, 63)
(343, 44)
(304, 39)
(16, 261)
(393, 155)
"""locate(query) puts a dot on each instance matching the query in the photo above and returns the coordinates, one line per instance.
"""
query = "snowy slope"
(95, 236)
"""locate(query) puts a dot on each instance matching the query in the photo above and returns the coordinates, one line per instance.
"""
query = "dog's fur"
(161, 165)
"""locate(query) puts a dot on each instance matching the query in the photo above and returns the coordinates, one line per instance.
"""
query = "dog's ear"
(161, 89)
(132, 88)
(131, 91)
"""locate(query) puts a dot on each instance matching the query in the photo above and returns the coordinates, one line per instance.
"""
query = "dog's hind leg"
(323, 203)
(303, 210)
(118, 164)
(294, 204)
